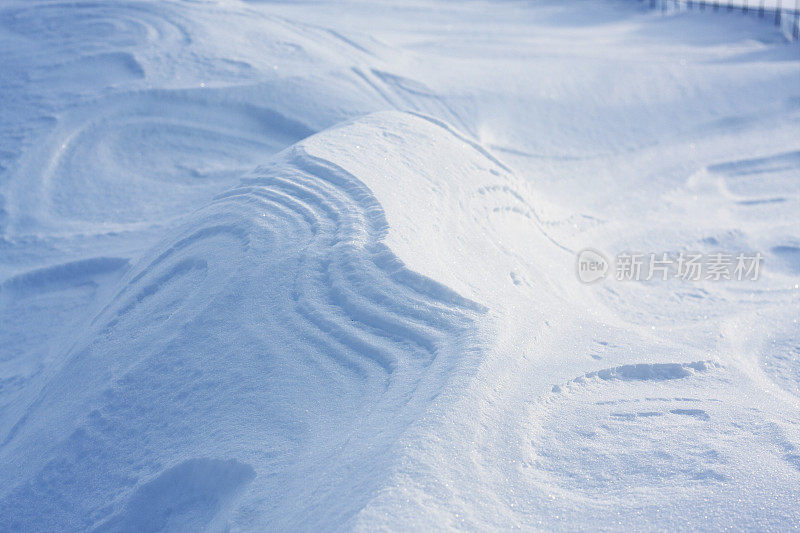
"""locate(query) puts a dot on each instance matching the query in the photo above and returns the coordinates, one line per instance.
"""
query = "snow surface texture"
(311, 267)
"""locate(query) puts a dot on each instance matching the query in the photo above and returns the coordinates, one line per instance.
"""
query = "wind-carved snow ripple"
(352, 294)
(181, 146)
(87, 27)
(276, 314)
(658, 425)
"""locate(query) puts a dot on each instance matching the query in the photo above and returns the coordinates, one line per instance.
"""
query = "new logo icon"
(591, 266)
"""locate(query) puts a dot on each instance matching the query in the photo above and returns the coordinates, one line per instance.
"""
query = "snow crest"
(275, 314)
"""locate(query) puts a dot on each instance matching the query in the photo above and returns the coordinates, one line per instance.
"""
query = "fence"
(788, 19)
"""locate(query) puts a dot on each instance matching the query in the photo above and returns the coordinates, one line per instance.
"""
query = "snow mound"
(256, 357)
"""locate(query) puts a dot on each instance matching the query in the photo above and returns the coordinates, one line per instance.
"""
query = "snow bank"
(273, 344)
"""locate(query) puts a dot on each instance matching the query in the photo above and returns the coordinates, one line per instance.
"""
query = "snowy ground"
(311, 266)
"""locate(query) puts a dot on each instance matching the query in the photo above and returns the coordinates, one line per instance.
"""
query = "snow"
(311, 266)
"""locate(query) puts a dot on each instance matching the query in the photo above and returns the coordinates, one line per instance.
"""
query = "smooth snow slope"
(311, 267)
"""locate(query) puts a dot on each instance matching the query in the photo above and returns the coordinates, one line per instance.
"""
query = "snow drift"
(274, 316)
(311, 266)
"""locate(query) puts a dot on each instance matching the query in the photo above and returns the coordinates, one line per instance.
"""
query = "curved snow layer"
(274, 315)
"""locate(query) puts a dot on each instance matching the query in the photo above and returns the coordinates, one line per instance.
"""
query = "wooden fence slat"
(779, 13)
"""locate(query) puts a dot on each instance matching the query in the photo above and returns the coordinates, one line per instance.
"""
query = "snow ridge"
(295, 250)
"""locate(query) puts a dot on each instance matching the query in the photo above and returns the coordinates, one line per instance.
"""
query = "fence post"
(796, 29)
(778, 14)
